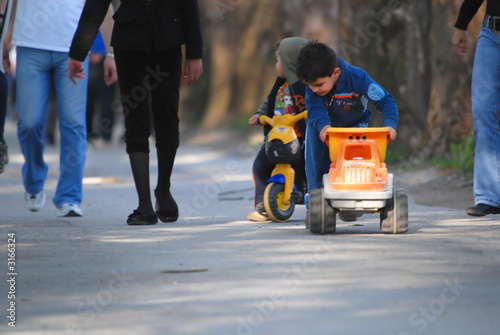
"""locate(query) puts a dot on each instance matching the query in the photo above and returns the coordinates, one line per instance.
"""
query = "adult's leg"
(133, 77)
(4, 87)
(95, 77)
(33, 87)
(71, 101)
(51, 123)
(107, 116)
(485, 103)
(4, 157)
(165, 69)
(300, 174)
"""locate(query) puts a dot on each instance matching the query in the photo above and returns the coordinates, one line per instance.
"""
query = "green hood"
(289, 51)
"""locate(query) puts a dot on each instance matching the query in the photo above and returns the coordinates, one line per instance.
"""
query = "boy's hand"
(393, 133)
(322, 133)
(254, 120)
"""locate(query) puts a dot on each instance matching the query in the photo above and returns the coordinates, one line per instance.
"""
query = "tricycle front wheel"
(273, 202)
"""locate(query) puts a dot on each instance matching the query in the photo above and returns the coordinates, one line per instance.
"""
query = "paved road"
(213, 272)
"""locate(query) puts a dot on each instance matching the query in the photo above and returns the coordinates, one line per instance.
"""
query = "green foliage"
(240, 123)
(459, 157)
(396, 152)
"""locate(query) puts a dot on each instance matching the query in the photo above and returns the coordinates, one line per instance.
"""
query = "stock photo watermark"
(139, 93)
(291, 281)
(371, 29)
(454, 115)
(49, 9)
(88, 308)
(223, 6)
(429, 313)
(220, 180)
(12, 279)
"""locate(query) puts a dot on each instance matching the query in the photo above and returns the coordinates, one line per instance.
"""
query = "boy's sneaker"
(259, 215)
(4, 156)
(261, 209)
(69, 210)
(35, 202)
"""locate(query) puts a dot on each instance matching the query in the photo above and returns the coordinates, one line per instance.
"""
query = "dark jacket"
(298, 90)
(469, 8)
(142, 25)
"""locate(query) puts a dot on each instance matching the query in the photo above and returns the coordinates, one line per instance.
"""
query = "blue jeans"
(35, 69)
(318, 154)
(4, 91)
(485, 103)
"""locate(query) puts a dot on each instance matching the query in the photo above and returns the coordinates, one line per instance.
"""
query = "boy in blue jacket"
(337, 95)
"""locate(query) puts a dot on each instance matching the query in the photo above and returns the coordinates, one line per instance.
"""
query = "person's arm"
(459, 39)
(92, 17)
(467, 11)
(383, 101)
(110, 74)
(317, 114)
(253, 121)
(193, 67)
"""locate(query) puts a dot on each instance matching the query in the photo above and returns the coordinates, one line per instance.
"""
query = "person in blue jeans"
(485, 93)
(4, 154)
(4, 87)
(42, 56)
(337, 94)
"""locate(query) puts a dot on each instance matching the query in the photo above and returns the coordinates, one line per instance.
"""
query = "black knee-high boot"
(167, 207)
(144, 214)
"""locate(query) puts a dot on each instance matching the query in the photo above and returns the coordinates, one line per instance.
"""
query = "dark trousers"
(100, 97)
(262, 169)
(150, 81)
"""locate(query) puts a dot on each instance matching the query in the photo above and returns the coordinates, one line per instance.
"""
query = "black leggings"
(149, 84)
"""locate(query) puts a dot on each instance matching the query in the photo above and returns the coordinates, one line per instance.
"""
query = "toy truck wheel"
(394, 216)
(273, 202)
(321, 214)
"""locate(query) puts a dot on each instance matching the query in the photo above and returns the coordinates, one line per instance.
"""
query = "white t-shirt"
(46, 24)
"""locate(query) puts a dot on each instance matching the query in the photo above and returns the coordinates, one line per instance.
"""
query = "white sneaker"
(35, 202)
(68, 209)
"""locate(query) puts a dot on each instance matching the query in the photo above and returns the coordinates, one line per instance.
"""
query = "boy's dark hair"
(315, 60)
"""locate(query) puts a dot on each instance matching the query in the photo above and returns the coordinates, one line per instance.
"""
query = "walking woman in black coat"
(147, 38)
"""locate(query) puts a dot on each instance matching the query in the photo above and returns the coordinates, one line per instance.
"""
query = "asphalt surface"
(214, 272)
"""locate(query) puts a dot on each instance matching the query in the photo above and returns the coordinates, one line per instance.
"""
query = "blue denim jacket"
(346, 104)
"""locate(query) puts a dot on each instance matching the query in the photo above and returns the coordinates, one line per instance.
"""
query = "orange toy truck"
(358, 183)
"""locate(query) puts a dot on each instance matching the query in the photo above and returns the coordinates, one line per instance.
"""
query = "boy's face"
(279, 67)
(323, 85)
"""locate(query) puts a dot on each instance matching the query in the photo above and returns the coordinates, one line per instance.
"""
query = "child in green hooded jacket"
(286, 97)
